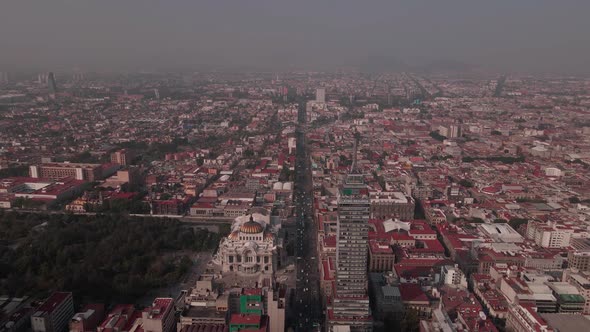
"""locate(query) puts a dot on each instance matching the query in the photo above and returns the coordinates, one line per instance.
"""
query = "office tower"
(54, 314)
(320, 95)
(3, 77)
(122, 157)
(78, 77)
(42, 78)
(157, 93)
(51, 83)
(351, 300)
(455, 131)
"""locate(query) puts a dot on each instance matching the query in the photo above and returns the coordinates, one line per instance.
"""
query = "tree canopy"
(99, 258)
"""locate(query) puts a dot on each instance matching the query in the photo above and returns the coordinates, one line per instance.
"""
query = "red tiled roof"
(245, 319)
(56, 299)
(412, 292)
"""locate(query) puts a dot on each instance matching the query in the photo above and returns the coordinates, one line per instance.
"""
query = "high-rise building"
(351, 300)
(54, 314)
(51, 83)
(320, 95)
(455, 131)
(122, 157)
(42, 78)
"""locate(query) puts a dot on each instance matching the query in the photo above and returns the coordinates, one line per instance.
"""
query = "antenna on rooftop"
(357, 138)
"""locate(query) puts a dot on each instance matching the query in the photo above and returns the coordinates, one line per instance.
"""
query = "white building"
(251, 247)
(452, 275)
(550, 234)
(553, 171)
(501, 233)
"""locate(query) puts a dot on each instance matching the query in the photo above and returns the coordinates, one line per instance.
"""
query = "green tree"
(574, 200)
(466, 183)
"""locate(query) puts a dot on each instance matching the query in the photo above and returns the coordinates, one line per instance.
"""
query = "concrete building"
(121, 318)
(320, 95)
(159, 317)
(579, 255)
(569, 299)
(550, 234)
(452, 275)
(381, 256)
(78, 171)
(500, 233)
(392, 204)
(582, 283)
(204, 306)
(524, 318)
(88, 318)
(122, 157)
(54, 314)
(275, 308)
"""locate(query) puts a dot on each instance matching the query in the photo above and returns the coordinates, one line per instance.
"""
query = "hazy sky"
(543, 35)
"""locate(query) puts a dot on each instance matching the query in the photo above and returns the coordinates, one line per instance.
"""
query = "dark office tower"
(351, 300)
(51, 83)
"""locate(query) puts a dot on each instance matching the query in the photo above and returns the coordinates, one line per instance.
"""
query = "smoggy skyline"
(526, 35)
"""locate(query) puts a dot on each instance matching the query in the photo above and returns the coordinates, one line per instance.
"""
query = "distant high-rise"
(42, 78)
(77, 77)
(320, 95)
(121, 157)
(51, 83)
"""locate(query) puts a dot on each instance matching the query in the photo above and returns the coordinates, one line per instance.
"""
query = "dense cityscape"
(294, 201)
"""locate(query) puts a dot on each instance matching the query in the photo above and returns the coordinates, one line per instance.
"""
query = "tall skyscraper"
(320, 95)
(42, 78)
(51, 83)
(351, 299)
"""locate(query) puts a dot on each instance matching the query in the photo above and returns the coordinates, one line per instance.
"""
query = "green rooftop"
(571, 298)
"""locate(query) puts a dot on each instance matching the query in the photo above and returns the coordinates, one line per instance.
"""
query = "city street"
(307, 307)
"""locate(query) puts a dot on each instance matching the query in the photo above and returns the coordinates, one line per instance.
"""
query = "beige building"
(78, 171)
(121, 157)
(276, 304)
(159, 317)
(391, 204)
(579, 256)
